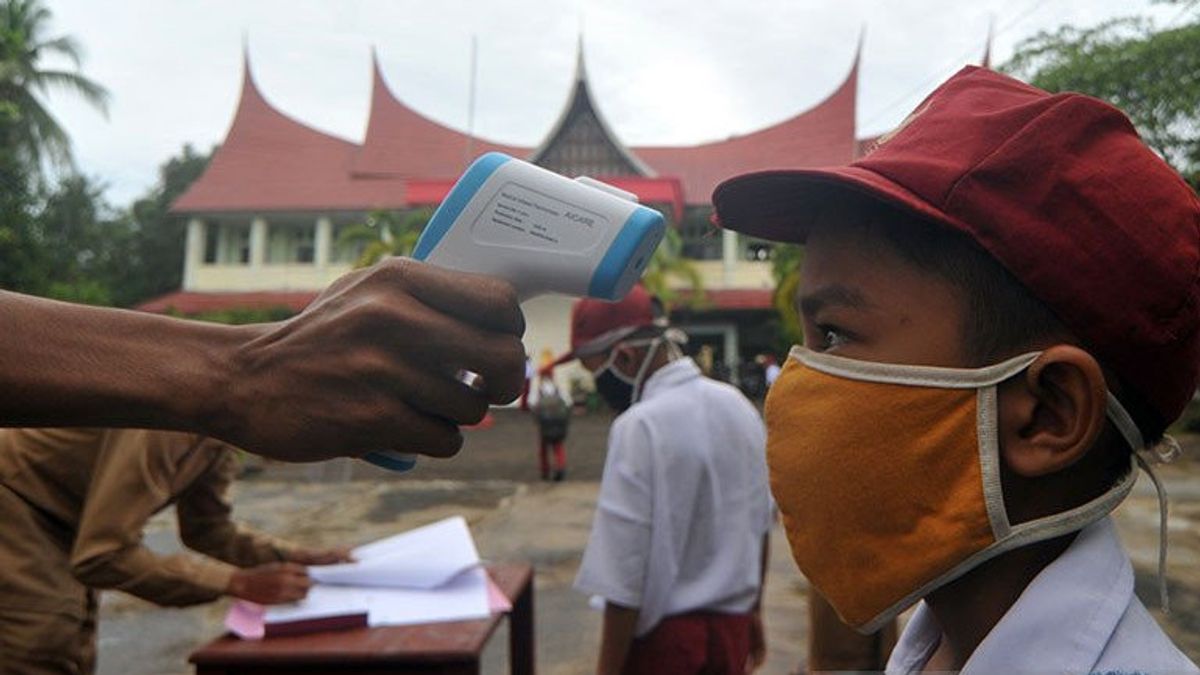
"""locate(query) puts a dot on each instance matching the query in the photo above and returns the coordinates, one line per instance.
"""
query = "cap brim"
(783, 205)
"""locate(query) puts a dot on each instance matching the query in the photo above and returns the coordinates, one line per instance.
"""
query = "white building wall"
(547, 317)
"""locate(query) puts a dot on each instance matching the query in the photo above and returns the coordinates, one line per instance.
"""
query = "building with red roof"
(264, 220)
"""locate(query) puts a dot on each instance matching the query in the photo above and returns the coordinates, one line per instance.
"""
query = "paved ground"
(513, 516)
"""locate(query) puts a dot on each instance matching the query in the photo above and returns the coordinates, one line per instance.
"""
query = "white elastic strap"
(1164, 451)
(1163, 598)
(1124, 423)
(612, 359)
(640, 379)
(916, 376)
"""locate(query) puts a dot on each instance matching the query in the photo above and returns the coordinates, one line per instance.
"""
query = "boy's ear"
(1052, 414)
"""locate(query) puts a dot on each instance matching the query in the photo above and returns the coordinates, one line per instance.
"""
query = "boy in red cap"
(1000, 309)
(678, 544)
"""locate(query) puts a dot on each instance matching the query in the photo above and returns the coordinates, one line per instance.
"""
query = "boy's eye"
(832, 338)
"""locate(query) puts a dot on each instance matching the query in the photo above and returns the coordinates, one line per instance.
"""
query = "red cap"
(597, 325)
(1058, 188)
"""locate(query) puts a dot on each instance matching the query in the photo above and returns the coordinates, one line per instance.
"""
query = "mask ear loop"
(639, 379)
(1163, 598)
(1165, 451)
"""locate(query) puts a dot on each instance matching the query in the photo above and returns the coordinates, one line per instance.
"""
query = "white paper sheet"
(322, 602)
(464, 597)
(424, 558)
(426, 575)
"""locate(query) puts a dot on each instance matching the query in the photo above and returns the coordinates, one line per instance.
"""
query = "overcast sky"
(663, 71)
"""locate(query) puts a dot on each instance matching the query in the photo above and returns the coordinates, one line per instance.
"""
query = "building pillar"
(193, 253)
(323, 243)
(731, 352)
(729, 256)
(258, 241)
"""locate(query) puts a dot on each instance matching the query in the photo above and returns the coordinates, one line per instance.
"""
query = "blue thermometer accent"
(460, 195)
(640, 234)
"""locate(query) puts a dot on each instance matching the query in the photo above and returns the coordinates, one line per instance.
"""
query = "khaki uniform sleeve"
(130, 482)
(205, 525)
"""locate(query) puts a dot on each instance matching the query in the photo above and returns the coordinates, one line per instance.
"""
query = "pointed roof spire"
(862, 39)
(987, 48)
(580, 109)
(402, 142)
(580, 65)
(821, 135)
(269, 161)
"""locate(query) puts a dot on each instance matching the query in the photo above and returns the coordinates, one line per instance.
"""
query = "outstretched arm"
(371, 364)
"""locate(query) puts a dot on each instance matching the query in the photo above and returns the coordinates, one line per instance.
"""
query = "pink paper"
(245, 620)
(497, 601)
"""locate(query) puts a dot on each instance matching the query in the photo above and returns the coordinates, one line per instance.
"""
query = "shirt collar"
(1060, 623)
(669, 376)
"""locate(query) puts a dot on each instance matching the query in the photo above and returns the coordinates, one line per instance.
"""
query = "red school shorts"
(697, 642)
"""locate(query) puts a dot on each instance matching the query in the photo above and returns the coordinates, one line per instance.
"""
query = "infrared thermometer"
(541, 232)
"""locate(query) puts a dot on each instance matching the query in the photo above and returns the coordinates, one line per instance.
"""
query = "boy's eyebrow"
(837, 295)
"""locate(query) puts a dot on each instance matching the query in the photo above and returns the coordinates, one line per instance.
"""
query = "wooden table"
(451, 647)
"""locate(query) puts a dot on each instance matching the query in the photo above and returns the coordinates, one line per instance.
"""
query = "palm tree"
(786, 260)
(669, 263)
(29, 128)
(385, 233)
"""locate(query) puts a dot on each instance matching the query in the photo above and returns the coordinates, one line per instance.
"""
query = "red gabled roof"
(730, 299)
(661, 190)
(271, 162)
(821, 135)
(865, 145)
(190, 302)
(402, 142)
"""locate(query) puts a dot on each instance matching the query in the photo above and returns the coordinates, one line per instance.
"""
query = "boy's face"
(860, 299)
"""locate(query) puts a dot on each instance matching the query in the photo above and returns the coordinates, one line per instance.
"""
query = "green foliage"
(20, 255)
(157, 237)
(385, 233)
(67, 243)
(83, 243)
(667, 265)
(59, 241)
(36, 137)
(786, 260)
(1152, 74)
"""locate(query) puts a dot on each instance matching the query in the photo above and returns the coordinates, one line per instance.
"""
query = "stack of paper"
(426, 575)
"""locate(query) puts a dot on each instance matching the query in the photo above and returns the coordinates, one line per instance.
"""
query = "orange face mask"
(888, 478)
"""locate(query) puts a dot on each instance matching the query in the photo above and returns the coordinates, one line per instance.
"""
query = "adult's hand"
(270, 584)
(373, 364)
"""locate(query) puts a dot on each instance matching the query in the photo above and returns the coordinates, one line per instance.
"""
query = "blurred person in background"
(678, 546)
(553, 415)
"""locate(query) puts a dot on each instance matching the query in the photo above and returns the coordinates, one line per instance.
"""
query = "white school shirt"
(1079, 615)
(684, 501)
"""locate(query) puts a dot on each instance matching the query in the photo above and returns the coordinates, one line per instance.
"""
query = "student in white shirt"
(679, 539)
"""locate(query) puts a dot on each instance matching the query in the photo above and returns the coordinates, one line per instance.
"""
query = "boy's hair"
(1002, 317)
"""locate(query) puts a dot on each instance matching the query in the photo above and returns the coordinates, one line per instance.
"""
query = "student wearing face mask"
(1001, 313)
(678, 544)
